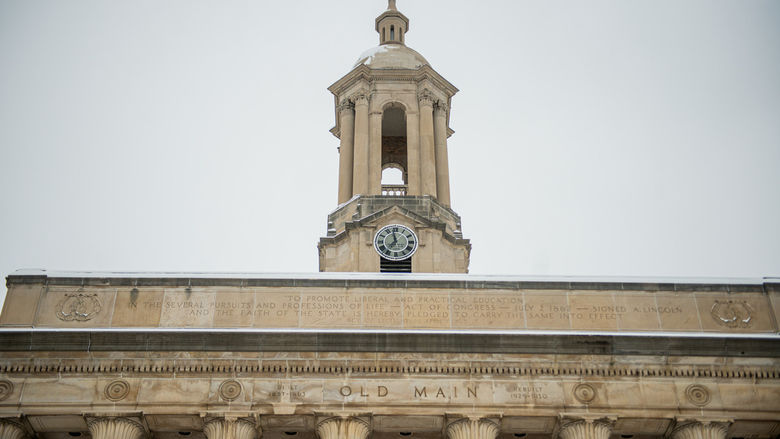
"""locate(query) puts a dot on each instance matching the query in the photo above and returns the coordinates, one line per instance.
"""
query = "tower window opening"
(392, 33)
(383, 35)
(388, 266)
(394, 178)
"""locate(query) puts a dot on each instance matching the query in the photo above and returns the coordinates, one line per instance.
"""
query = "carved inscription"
(436, 309)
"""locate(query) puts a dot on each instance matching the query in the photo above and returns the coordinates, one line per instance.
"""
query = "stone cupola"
(392, 25)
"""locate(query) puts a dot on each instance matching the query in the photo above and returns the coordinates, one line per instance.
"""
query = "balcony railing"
(393, 190)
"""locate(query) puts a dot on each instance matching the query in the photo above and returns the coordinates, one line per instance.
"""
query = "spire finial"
(391, 5)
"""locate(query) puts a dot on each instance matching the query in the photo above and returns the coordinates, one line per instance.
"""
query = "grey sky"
(592, 138)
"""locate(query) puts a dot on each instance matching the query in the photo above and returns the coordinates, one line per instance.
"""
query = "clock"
(395, 242)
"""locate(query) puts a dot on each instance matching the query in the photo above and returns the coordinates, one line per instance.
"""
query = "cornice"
(372, 369)
(363, 72)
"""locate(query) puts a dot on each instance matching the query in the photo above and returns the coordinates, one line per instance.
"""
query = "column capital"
(700, 428)
(115, 427)
(231, 428)
(346, 105)
(360, 97)
(472, 428)
(440, 108)
(585, 426)
(425, 97)
(12, 428)
(343, 428)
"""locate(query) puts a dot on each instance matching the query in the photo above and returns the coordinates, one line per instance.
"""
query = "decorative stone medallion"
(6, 388)
(79, 307)
(584, 393)
(230, 390)
(697, 395)
(732, 313)
(117, 390)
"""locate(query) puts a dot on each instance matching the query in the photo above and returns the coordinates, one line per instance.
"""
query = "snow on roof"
(398, 276)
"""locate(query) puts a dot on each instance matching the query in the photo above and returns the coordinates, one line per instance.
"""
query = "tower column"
(442, 166)
(115, 428)
(472, 428)
(427, 154)
(343, 428)
(360, 169)
(413, 152)
(701, 430)
(375, 153)
(346, 150)
(223, 428)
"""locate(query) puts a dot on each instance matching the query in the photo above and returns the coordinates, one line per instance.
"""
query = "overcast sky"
(598, 138)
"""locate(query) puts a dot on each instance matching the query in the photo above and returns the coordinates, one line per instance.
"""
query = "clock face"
(395, 242)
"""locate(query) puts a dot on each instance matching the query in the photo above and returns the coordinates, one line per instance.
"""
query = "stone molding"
(115, 428)
(358, 368)
(227, 428)
(701, 429)
(343, 428)
(12, 428)
(472, 428)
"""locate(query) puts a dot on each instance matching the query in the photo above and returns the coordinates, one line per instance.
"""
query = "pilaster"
(343, 428)
(375, 152)
(360, 159)
(115, 428)
(427, 153)
(440, 141)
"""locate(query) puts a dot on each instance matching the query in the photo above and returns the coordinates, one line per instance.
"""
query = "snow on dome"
(391, 56)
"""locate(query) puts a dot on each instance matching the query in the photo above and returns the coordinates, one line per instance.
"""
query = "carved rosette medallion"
(230, 390)
(732, 313)
(697, 395)
(117, 390)
(79, 307)
(6, 388)
(584, 393)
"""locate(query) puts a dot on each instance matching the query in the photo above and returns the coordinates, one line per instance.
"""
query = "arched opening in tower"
(394, 157)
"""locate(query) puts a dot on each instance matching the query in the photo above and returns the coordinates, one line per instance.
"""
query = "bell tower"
(392, 119)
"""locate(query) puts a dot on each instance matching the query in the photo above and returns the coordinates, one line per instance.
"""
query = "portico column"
(343, 428)
(472, 428)
(346, 149)
(222, 428)
(360, 171)
(585, 429)
(427, 155)
(115, 428)
(440, 140)
(700, 430)
(11, 429)
(375, 153)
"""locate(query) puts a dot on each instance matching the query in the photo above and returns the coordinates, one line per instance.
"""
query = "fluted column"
(427, 154)
(700, 430)
(413, 152)
(115, 428)
(343, 428)
(360, 170)
(440, 141)
(375, 153)
(11, 429)
(472, 428)
(585, 429)
(221, 428)
(346, 149)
